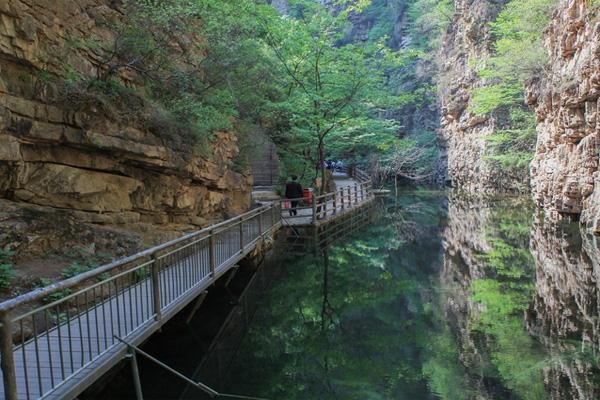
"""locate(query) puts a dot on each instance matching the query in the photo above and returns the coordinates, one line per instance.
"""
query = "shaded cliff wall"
(564, 171)
(80, 158)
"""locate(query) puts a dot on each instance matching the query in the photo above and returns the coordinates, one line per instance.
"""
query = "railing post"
(260, 224)
(356, 193)
(325, 207)
(342, 198)
(314, 208)
(156, 288)
(335, 202)
(349, 197)
(7, 361)
(211, 253)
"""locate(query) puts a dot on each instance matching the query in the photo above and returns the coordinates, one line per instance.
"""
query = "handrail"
(75, 328)
(362, 191)
(41, 293)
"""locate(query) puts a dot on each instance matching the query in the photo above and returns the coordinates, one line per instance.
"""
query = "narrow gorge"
(278, 198)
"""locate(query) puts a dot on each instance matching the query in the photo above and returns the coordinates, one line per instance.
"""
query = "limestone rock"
(564, 170)
(464, 133)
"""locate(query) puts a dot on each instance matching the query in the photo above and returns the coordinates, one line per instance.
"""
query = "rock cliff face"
(467, 40)
(564, 171)
(81, 160)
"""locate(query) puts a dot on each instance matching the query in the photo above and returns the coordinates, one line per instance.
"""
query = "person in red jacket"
(293, 190)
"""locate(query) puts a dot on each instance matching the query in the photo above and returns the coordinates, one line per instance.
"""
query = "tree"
(333, 88)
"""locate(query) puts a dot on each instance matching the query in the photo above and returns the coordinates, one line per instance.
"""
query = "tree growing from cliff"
(518, 55)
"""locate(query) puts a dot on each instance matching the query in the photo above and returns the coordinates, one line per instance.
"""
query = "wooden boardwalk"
(73, 340)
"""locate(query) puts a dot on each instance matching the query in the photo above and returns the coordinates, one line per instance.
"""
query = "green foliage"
(7, 270)
(76, 268)
(429, 20)
(518, 54)
(335, 89)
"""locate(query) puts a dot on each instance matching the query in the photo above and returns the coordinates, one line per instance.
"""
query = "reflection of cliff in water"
(466, 238)
(521, 301)
(564, 311)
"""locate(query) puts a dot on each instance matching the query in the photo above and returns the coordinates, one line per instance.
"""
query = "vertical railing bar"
(111, 313)
(87, 317)
(49, 348)
(24, 355)
(82, 344)
(178, 273)
(37, 355)
(129, 288)
(211, 254)
(163, 286)
(97, 327)
(156, 294)
(148, 286)
(172, 293)
(118, 308)
(103, 303)
(137, 302)
(70, 336)
(177, 280)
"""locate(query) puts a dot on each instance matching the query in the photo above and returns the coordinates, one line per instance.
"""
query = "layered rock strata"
(82, 159)
(564, 171)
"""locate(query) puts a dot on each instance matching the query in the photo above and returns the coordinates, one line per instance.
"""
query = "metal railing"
(329, 204)
(57, 336)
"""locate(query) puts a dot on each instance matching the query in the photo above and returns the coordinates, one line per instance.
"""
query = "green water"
(433, 299)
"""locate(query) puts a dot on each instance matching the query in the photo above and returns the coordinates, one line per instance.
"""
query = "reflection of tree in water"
(343, 323)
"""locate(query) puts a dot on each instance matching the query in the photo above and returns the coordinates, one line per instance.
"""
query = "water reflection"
(520, 296)
(433, 298)
(564, 311)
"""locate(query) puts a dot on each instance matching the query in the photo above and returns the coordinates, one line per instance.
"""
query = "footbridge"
(58, 340)
(353, 190)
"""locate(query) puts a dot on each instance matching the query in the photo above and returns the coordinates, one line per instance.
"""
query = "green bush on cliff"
(7, 270)
(518, 54)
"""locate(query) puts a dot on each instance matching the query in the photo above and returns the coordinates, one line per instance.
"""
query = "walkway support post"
(8, 362)
(136, 373)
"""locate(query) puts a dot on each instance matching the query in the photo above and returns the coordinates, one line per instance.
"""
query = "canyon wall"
(564, 171)
(59, 152)
(467, 40)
